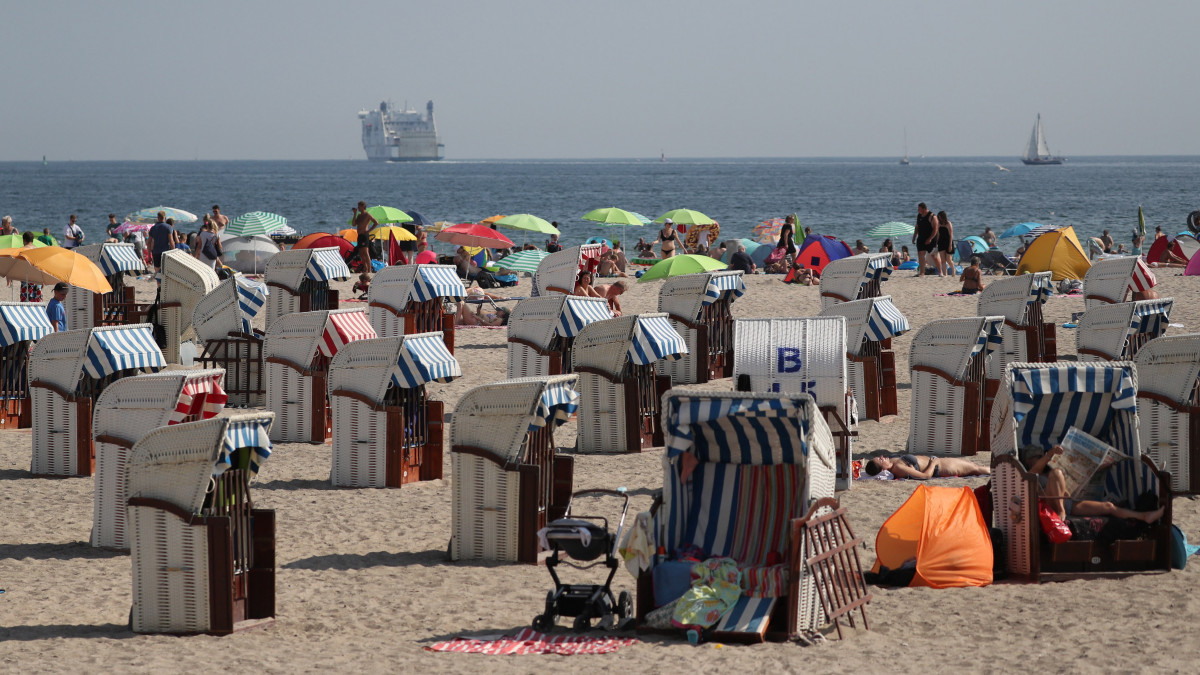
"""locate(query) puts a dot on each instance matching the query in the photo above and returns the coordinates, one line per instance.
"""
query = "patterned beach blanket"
(529, 641)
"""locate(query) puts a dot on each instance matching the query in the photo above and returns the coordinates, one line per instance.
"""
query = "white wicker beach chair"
(948, 362)
(802, 356)
(410, 299)
(67, 372)
(871, 324)
(299, 281)
(387, 431)
(1115, 332)
(541, 332)
(558, 272)
(86, 309)
(203, 556)
(224, 325)
(1026, 337)
(126, 411)
(296, 355)
(619, 389)
(742, 500)
(185, 281)
(1036, 406)
(699, 307)
(508, 479)
(1169, 407)
(1111, 280)
(22, 324)
(854, 278)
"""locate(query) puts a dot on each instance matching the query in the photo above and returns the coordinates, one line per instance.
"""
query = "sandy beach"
(363, 580)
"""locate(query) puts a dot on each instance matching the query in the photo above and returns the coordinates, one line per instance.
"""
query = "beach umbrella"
(681, 264)
(56, 264)
(285, 231)
(129, 226)
(344, 247)
(522, 261)
(387, 231)
(15, 268)
(1141, 221)
(978, 245)
(15, 241)
(685, 217)
(349, 235)
(248, 255)
(1043, 229)
(470, 234)
(892, 229)
(614, 216)
(599, 240)
(418, 219)
(491, 219)
(385, 215)
(527, 222)
(255, 223)
(767, 232)
(1019, 230)
(426, 257)
(150, 215)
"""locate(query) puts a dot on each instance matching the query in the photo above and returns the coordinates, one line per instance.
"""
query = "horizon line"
(649, 158)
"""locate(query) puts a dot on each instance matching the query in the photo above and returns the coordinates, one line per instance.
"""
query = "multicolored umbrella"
(522, 261)
(614, 216)
(255, 223)
(385, 215)
(150, 215)
(527, 222)
(130, 226)
(470, 234)
(892, 229)
(681, 264)
(685, 217)
(767, 232)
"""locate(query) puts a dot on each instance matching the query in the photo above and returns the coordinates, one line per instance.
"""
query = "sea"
(840, 197)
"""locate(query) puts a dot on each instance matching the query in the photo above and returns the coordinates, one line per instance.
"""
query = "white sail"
(1043, 150)
(1036, 142)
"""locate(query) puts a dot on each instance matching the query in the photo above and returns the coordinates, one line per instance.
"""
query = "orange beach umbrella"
(54, 263)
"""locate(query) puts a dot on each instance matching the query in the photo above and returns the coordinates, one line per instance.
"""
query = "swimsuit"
(943, 240)
(924, 229)
(915, 463)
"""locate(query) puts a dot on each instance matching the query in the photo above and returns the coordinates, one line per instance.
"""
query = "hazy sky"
(520, 79)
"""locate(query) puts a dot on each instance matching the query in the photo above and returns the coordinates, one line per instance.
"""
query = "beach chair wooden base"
(639, 422)
(240, 356)
(15, 413)
(118, 308)
(371, 448)
(878, 374)
(302, 414)
(62, 444)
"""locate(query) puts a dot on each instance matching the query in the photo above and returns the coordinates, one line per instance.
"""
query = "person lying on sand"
(1052, 485)
(465, 317)
(920, 467)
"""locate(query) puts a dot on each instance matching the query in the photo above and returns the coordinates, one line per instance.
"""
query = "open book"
(1084, 455)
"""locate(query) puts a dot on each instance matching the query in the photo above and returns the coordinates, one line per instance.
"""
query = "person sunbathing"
(612, 293)
(1052, 486)
(583, 286)
(921, 467)
(972, 277)
(465, 317)
(609, 267)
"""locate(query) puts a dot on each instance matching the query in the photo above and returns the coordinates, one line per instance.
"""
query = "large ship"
(391, 135)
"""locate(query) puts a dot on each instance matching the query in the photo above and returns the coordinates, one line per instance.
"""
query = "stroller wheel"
(582, 623)
(624, 605)
(543, 623)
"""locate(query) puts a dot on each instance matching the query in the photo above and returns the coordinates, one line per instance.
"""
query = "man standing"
(989, 237)
(6, 226)
(925, 237)
(363, 224)
(218, 221)
(72, 235)
(55, 311)
(112, 225)
(162, 239)
(1107, 240)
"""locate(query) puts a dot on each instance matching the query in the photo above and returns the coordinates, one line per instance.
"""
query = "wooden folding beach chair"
(871, 324)
(542, 330)
(410, 299)
(298, 281)
(22, 324)
(855, 278)
(86, 309)
(224, 325)
(185, 281)
(1169, 407)
(1115, 332)
(699, 308)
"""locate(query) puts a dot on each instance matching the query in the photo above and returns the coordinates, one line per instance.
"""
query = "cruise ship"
(391, 135)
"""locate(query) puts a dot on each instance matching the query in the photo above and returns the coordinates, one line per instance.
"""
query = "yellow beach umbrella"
(385, 231)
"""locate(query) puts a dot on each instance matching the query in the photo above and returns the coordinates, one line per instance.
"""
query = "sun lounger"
(86, 309)
(1112, 280)
(558, 272)
(299, 281)
(870, 326)
(410, 299)
(185, 281)
(22, 324)
(854, 278)
(1115, 332)
(541, 332)
(224, 325)
(1169, 407)
(699, 308)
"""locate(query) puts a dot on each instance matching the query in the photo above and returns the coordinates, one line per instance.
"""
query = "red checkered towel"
(531, 642)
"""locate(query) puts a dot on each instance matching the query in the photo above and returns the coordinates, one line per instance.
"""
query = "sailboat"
(1038, 153)
(904, 161)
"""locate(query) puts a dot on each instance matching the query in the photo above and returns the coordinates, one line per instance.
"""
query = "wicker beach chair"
(508, 478)
(223, 322)
(185, 281)
(1169, 407)
(541, 332)
(948, 362)
(871, 324)
(1112, 280)
(68, 372)
(1036, 405)
(299, 281)
(699, 308)
(742, 500)
(1115, 332)
(296, 356)
(22, 324)
(558, 272)
(128, 410)
(619, 388)
(855, 278)
(203, 556)
(387, 431)
(410, 299)
(86, 309)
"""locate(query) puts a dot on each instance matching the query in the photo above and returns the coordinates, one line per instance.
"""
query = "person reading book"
(1052, 487)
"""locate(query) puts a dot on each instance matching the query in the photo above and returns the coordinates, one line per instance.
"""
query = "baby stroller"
(584, 538)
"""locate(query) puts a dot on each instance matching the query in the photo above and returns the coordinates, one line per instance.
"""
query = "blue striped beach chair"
(542, 330)
(740, 470)
(871, 323)
(224, 324)
(299, 281)
(855, 278)
(22, 324)
(86, 309)
(1115, 332)
(408, 299)
(699, 306)
(1036, 406)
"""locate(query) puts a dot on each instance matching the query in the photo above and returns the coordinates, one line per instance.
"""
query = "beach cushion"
(742, 511)
(765, 581)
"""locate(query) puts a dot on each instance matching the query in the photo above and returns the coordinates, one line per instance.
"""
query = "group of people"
(934, 240)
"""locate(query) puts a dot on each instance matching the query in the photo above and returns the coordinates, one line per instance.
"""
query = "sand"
(363, 579)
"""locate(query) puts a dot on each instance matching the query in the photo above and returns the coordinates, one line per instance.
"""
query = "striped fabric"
(425, 359)
(201, 396)
(579, 312)
(1043, 229)
(885, 321)
(254, 223)
(769, 581)
(685, 411)
(245, 434)
(720, 284)
(654, 338)
(23, 322)
(1041, 289)
(437, 281)
(1150, 316)
(113, 350)
(527, 641)
(342, 328)
(749, 615)
(879, 266)
(589, 256)
(990, 336)
(769, 497)
(1142, 278)
(1128, 479)
(1098, 399)
(117, 258)
(252, 297)
(557, 403)
(326, 264)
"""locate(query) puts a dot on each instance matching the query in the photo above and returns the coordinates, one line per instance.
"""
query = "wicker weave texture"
(170, 573)
(1107, 281)
(289, 396)
(359, 444)
(55, 430)
(218, 314)
(1011, 498)
(484, 520)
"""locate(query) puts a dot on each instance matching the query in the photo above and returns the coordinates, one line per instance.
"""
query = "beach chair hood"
(943, 530)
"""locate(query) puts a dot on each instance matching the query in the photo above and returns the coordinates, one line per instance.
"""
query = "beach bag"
(210, 250)
(506, 280)
(1052, 525)
(486, 280)
(1179, 548)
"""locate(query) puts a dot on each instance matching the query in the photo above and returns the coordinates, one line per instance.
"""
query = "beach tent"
(1185, 246)
(1158, 250)
(943, 530)
(1058, 252)
(1193, 268)
(818, 250)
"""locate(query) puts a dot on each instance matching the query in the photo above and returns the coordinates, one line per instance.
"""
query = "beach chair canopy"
(498, 416)
(290, 268)
(578, 312)
(344, 327)
(1112, 279)
(301, 336)
(131, 407)
(557, 272)
(111, 350)
(230, 308)
(686, 295)
(113, 258)
(398, 285)
(1058, 252)
(1109, 328)
(1169, 366)
(869, 320)
(1011, 297)
(540, 319)
(185, 279)
(641, 339)
(843, 279)
(951, 343)
(23, 322)
(370, 367)
(942, 529)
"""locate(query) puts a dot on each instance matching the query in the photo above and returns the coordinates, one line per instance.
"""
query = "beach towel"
(716, 587)
(529, 641)
(638, 547)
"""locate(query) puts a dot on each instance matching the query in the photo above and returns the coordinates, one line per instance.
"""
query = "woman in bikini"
(669, 239)
(921, 467)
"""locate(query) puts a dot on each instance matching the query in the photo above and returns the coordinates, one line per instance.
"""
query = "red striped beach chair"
(1112, 280)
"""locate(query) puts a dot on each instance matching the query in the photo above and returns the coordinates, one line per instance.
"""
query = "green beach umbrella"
(527, 222)
(1141, 221)
(685, 217)
(522, 261)
(892, 229)
(613, 216)
(15, 241)
(681, 264)
(385, 215)
(255, 223)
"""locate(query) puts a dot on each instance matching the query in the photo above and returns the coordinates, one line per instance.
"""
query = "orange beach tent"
(1058, 252)
(943, 529)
